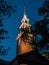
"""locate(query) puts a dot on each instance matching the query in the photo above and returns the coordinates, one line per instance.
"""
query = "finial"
(24, 10)
(25, 16)
(25, 19)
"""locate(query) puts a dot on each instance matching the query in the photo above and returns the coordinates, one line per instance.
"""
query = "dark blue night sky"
(12, 24)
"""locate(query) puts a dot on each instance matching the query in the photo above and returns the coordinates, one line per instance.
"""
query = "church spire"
(25, 12)
(25, 19)
(25, 26)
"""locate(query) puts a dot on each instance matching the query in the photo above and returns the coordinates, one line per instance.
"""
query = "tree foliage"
(41, 28)
(3, 50)
(6, 10)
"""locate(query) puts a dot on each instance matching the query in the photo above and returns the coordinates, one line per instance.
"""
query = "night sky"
(12, 24)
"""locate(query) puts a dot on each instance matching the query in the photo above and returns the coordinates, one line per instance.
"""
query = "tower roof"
(25, 17)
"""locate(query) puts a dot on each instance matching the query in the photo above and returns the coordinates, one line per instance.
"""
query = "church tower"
(25, 36)
(26, 53)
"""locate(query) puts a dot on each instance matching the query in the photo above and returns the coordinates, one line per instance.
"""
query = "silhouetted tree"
(41, 28)
(6, 10)
(3, 50)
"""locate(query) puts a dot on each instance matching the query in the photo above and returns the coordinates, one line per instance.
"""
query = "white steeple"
(25, 19)
(24, 25)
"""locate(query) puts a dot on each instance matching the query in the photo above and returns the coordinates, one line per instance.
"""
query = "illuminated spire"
(25, 25)
(25, 13)
(25, 19)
